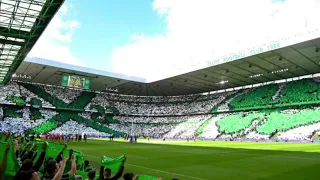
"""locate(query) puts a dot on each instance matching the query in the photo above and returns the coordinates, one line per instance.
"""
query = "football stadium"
(251, 114)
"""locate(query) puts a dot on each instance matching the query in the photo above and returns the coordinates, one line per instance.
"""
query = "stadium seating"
(256, 97)
(82, 101)
(35, 114)
(46, 127)
(278, 121)
(73, 127)
(209, 129)
(301, 91)
(238, 122)
(66, 95)
(253, 113)
(43, 94)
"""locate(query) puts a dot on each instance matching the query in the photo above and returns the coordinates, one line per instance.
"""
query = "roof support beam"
(14, 33)
(49, 9)
(4, 41)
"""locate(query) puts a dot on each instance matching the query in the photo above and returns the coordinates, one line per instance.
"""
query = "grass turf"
(206, 160)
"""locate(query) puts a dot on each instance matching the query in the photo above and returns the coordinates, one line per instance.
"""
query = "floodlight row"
(273, 72)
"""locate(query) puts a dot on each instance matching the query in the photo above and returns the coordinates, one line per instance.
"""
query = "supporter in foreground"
(130, 176)
(87, 166)
(53, 171)
(91, 175)
(30, 175)
(27, 168)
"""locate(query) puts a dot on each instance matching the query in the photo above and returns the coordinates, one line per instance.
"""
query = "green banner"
(12, 164)
(113, 164)
(86, 84)
(65, 78)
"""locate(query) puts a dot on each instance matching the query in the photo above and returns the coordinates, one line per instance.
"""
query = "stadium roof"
(287, 62)
(21, 24)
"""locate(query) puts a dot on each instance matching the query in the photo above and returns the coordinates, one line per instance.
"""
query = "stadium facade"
(265, 93)
(269, 92)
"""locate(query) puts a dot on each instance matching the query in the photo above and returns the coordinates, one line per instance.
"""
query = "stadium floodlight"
(222, 82)
(21, 76)
(280, 71)
(255, 75)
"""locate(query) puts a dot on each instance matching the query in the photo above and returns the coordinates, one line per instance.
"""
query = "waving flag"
(113, 164)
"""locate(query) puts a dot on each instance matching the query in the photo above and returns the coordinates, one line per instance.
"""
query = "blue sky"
(155, 39)
(110, 23)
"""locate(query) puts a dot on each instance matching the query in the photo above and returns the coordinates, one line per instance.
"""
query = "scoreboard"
(75, 81)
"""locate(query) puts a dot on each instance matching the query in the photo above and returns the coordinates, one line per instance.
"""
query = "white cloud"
(197, 30)
(54, 44)
(137, 37)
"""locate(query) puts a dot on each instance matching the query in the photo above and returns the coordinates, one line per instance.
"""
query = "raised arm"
(73, 166)
(101, 172)
(24, 150)
(61, 170)
(60, 156)
(41, 157)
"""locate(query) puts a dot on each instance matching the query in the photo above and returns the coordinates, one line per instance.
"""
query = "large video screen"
(75, 81)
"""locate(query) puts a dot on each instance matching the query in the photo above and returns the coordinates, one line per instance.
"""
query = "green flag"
(38, 150)
(68, 167)
(53, 149)
(83, 174)
(113, 164)
(145, 177)
(79, 158)
(12, 164)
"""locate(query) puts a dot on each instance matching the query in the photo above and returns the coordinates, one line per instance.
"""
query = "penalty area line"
(156, 170)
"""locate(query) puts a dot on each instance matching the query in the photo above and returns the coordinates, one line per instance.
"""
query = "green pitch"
(206, 160)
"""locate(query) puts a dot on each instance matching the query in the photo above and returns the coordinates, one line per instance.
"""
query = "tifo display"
(284, 112)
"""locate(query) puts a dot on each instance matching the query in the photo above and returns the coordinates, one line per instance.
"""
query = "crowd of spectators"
(169, 127)
(177, 116)
(300, 133)
(72, 127)
(174, 105)
(65, 94)
(152, 119)
(152, 130)
(155, 106)
(211, 130)
(177, 105)
(13, 89)
(19, 125)
(188, 128)
(301, 125)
